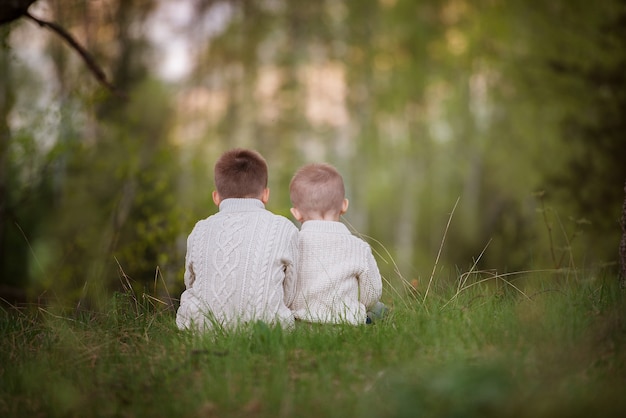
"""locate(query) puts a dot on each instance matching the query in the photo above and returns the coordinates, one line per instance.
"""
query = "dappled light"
(492, 105)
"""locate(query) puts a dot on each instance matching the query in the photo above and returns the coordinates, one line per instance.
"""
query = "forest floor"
(541, 345)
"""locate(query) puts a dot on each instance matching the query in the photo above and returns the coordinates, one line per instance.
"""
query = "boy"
(241, 262)
(338, 279)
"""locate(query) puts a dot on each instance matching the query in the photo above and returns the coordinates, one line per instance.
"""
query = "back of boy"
(241, 262)
(338, 278)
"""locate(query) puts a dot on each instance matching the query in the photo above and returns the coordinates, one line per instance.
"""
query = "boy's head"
(240, 173)
(317, 193)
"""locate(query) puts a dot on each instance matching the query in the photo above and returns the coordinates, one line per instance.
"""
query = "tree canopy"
(514, 110)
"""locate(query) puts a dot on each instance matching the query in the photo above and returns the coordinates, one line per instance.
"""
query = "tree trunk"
(622, 246)
(6, 103)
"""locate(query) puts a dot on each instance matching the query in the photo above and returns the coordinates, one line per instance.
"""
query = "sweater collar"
(325, 226)
(241, 205)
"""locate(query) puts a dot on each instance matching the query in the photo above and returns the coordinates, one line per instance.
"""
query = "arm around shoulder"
(290, 262)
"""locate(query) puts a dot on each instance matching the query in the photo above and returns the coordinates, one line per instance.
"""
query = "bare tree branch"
(87, 58)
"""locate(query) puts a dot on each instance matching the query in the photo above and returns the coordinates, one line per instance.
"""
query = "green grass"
(555, 347)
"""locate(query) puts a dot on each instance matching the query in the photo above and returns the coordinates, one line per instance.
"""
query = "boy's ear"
(344, 206)
(296, 214)
(216, 198)
(265, 197)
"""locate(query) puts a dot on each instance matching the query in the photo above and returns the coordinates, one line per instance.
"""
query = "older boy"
(241, 262)
(338, 279)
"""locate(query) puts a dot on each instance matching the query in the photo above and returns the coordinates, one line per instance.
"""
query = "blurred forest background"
(515, 108)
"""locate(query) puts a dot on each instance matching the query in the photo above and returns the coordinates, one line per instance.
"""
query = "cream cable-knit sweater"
(240, 267)
(338, 278)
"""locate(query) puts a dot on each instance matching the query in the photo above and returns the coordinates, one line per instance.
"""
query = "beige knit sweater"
(338, 278)
(240, 267)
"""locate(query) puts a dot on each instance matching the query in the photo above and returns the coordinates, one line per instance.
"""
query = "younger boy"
(241, 262)
(338, 279)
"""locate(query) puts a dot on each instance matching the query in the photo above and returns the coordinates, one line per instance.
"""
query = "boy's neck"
(326, 217)
(263, 197)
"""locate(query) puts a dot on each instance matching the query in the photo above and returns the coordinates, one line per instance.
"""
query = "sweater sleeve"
(370, 282)
(289, 284)
(190, 275)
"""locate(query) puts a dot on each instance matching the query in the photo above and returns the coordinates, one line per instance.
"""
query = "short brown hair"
(317, 188)
(240, 173)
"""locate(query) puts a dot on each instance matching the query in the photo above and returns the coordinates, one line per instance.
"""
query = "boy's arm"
(190, 274)
(291, 269)
(370, 282)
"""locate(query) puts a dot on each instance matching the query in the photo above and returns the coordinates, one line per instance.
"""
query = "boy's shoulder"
(321, 228)
(264, 216)
(361, 241)
(288, 224)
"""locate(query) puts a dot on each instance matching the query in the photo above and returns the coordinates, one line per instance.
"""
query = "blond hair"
(317, 188)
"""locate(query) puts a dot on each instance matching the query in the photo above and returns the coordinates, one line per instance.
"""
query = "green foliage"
(589, 86)
(117, 207)
(418, 105)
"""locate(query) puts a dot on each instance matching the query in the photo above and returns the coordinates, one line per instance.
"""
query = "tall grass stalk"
(443, 240)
